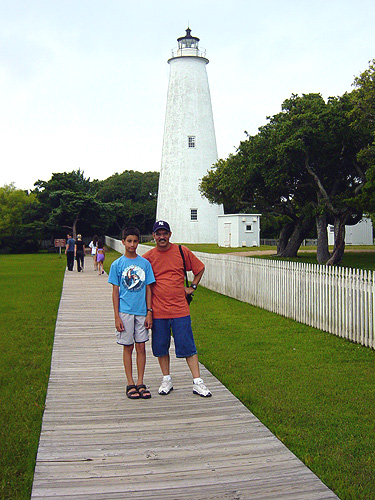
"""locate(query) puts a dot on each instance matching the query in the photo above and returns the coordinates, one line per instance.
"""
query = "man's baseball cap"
(161, 224)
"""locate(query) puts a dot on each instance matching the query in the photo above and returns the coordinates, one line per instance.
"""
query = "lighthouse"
(189, 147)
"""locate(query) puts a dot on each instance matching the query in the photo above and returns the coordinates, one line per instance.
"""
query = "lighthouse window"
(191, 141)
(194, 214)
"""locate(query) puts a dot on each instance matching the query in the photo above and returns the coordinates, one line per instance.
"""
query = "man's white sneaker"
(200, 389)
(166, 387)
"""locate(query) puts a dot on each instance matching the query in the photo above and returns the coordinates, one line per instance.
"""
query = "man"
(69, 251)
(170, 308)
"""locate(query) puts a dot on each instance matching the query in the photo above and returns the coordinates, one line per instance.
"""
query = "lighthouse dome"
(188, 45)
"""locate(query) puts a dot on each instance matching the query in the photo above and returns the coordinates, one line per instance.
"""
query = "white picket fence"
(337, 300)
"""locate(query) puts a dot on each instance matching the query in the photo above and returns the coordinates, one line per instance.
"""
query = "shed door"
(227, 234)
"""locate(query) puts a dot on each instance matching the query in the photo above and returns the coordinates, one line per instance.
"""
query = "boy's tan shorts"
(135, 330)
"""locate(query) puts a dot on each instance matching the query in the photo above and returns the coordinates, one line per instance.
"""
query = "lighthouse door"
(227, 234)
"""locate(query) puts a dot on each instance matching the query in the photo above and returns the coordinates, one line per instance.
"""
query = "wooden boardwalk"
(96, 444)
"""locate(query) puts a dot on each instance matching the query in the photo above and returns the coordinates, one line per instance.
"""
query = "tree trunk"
(285, 233)
(339, 245)
(348, 217)
(74, 227)
(300, 232)
(322, 253)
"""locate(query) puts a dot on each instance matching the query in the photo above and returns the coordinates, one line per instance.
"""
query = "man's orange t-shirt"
(168, 292)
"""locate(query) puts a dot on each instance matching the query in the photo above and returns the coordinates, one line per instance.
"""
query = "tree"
(129, 185)
(321, 140)
(18, 232)
(265, 174)
(83, 208)
(252, 180)
(67, 200)
(363, 116)
(135, 195)
(302, 165)
(70, 201)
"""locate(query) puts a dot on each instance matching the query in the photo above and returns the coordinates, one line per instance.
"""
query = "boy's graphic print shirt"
(132, 276)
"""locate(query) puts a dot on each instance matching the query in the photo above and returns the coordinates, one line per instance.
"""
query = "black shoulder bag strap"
(189, 297)
(183, 260)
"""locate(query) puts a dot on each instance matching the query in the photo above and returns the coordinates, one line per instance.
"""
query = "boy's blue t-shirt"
(132, 276)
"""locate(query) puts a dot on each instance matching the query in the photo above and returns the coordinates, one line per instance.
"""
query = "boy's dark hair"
(130, 231)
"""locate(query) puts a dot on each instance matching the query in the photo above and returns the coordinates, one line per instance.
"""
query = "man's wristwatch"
(149, 310)
(194, 287)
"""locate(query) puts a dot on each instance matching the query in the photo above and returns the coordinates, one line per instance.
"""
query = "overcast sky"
(83, 83)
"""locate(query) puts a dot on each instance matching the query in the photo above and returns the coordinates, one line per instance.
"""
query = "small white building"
(360, 234)
(239, 230)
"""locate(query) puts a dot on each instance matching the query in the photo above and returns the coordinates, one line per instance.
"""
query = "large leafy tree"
(68, 202)
(270, 177)
(301, 165)
(255, 179)
(318, 139)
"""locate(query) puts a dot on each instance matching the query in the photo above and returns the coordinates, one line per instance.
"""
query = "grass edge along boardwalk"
(97, 444)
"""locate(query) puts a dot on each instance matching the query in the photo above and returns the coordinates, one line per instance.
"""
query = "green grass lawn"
(316, 392)
(29, 297)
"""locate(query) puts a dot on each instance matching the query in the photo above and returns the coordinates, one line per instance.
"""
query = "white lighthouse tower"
(189, 148)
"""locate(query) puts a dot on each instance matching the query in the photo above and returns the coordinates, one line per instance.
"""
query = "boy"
(131, 276)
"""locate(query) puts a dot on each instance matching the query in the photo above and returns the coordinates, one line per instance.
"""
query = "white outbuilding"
(239, 230)
(359, 234)
(189, 147)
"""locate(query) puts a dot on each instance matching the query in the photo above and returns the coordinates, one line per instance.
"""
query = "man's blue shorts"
(182, 334)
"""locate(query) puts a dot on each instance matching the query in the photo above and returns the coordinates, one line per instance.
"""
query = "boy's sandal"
(143, 392)
(132, 392)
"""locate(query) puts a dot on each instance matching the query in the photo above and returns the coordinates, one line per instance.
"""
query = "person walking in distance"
(79, 251)
(94, 245)
(69, 251)
(100, 256)
(171, 311)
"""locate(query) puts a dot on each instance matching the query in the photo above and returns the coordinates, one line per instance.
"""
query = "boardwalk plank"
(96, 444)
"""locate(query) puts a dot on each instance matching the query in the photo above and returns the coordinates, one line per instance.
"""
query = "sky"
(83, 83)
